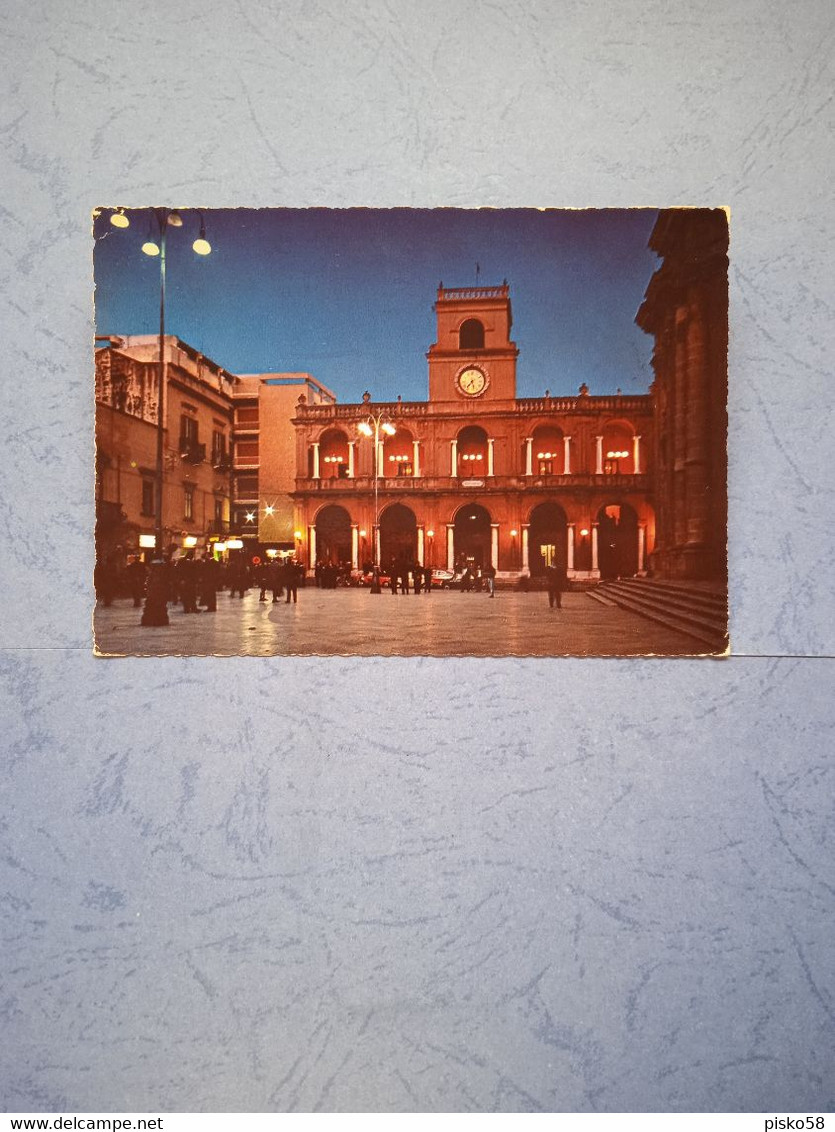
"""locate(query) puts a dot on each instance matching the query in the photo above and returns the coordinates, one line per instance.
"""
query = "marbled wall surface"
(404, 884)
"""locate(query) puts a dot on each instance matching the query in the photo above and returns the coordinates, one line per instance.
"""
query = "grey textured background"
(419, 885)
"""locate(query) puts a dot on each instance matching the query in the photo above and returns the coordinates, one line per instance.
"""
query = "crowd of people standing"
(195, 582)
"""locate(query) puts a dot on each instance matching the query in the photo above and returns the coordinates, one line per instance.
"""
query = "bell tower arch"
(473, 358)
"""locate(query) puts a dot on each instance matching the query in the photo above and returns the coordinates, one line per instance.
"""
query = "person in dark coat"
(427, 579)
(276, 583)
(490, 578)
(209, 582)
(187, 582)
(555, 580)
(417, 577)
(291, 581)
(263, 581)
(136, 574)
(105, 579)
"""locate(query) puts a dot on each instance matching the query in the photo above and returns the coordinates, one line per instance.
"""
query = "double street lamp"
(156, 600)
(373, 425)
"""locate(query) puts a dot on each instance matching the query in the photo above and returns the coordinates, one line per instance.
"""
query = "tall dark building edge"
(686, 310)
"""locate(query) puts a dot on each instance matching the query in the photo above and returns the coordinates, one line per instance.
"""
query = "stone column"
(450, 544)
(566, 442)
(598, 459)
(316, 459)
(311, 542)
(594, 564)
(416, 458)
(351, 464)
(570, 548)
(528, 455)
(490, 456)
(453, 468)
(494, 545)
(525, 560)
(636, 455)
(420, 557)
(642, 543)
(355, 546)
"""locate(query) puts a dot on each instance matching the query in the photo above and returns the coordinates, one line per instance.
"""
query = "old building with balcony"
(476, 474)
(196, 452)
(264, 466)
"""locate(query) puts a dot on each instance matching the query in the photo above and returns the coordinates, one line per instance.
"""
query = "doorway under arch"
(617, 541)
(546, 538)
(333, 535)
(472, 536)
(398, 535)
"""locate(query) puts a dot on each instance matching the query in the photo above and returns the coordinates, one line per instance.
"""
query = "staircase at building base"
(695, 608)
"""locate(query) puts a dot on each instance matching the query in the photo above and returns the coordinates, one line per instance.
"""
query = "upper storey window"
(471, 335)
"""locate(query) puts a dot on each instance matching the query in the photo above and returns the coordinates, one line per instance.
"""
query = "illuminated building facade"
(476, 474)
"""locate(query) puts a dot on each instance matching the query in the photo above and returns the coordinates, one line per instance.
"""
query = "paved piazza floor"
(354, 622)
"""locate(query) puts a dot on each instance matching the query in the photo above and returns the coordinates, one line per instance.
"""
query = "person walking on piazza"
(490, 577)
(263, 580)
(417, 577)
(555, 581)
(427, 579)
(238, 583)
(291, 581)
(187, 579)
(275, 579)
(209, 584)
(137, 574)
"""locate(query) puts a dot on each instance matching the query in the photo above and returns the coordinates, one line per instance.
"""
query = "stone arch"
(548, 450)
(471, 535)
(398, 535)
(547, 537)
(618, 447)
(617, 541)
(333, 454)
(333, 534)
(471, 334)
(472, 451)
(399, 453)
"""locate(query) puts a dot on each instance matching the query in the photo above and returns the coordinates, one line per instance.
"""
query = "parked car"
(443, 579)
(367, 578)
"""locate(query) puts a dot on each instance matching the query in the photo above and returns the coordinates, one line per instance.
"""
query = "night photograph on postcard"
(515, 418)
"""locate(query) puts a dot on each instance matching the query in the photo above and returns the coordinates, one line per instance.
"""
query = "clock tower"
(473, 358)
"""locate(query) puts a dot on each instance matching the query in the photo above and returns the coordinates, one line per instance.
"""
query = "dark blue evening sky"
(347, 294)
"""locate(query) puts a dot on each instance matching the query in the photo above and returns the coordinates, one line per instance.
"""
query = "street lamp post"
(156, 598)
(372, 426)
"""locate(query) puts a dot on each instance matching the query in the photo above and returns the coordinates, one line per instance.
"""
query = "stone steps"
(698, 611)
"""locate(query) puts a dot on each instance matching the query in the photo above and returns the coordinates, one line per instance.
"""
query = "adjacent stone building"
(686, 310)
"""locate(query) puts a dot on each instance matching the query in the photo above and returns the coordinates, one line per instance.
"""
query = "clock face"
(471, 381)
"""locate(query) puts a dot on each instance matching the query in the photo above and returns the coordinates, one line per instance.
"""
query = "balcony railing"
(218, 527)
(221, 461)
(412, 484)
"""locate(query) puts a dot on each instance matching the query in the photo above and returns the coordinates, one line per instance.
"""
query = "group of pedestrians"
(195, 582)
(478, 578)
(279, 576)
(410, 577)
